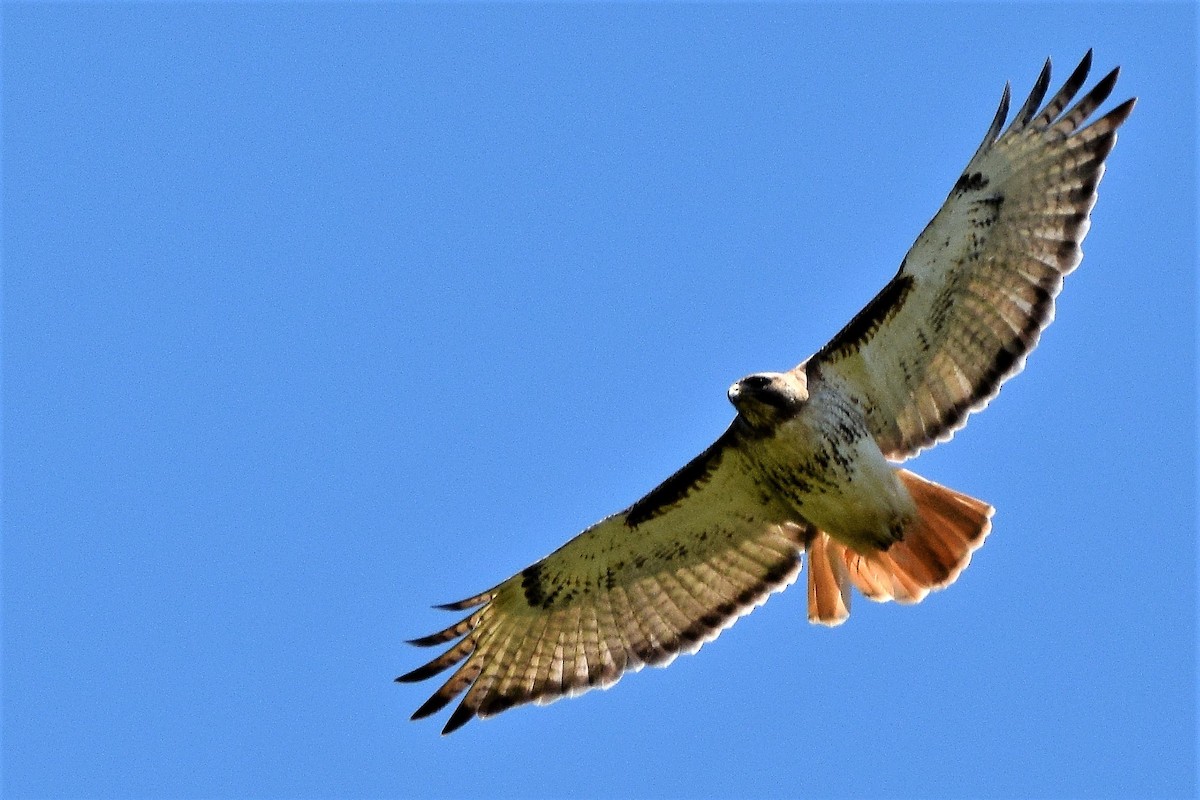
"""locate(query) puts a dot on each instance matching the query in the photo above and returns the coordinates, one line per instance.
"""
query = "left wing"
(663, 577)
(975, 291)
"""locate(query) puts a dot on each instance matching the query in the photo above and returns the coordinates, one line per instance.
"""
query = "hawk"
(808, 464)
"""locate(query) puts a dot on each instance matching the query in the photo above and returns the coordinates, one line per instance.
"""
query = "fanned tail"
(936, 548)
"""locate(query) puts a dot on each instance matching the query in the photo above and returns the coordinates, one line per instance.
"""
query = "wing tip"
(1117, 116)
(1036, 95)
(468, 603)
(461, 716)
(431, 706)
(1085, 64)
(1001, 116)
(417, 675)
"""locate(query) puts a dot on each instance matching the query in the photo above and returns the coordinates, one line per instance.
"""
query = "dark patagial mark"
(545, 594)
(882, 308)
(674, 489)
(531, 582)
(969, 183)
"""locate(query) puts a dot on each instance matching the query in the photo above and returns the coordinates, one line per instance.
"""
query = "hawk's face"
(767, 398)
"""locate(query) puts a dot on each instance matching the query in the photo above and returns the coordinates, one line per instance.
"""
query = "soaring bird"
(808, 465)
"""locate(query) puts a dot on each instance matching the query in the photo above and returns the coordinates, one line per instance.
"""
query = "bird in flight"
(808, 464)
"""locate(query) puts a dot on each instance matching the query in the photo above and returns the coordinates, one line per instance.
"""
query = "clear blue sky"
(316, 315)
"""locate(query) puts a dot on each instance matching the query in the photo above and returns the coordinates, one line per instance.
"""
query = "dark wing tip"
(1103, 88)
(430, 640)
(431, 706)
(1069, 89)
(1002, 111)
(460, 628)
(1079, 75)
(469, 603)
(1121, 113)
(1109, 80)
(422, 672)
(1073, 120)
(1001, 114)
(446, 660)
(1085, 64)
(993, 131)
(461, 716)
(1036, 95)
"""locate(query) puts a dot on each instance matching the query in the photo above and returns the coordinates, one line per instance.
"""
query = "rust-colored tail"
(936, 547)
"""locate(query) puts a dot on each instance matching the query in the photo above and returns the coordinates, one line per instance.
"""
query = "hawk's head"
(767, 398)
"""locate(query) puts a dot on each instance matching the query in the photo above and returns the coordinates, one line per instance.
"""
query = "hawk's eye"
(757, 381)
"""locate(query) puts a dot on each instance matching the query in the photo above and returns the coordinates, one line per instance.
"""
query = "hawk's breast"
(825, 464)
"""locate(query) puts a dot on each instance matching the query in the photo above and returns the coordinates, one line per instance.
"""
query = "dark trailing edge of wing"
(970, 183)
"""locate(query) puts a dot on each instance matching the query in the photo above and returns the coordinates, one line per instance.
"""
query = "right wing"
(976, 289)
(661, 578)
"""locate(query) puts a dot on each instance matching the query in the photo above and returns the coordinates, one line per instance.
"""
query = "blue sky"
(316, 315)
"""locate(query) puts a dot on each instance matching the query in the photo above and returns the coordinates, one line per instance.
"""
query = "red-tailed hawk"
(806, 466)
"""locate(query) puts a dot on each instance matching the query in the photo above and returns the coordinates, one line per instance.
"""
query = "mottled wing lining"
(615, 598)
(512, 654)
(984, 273)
